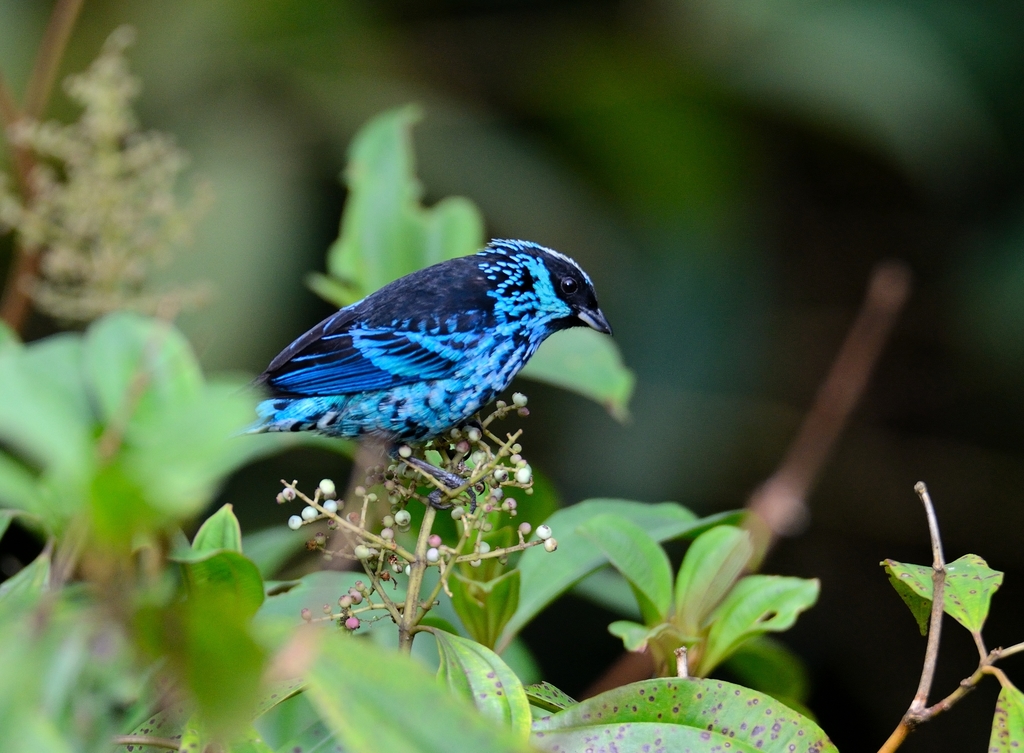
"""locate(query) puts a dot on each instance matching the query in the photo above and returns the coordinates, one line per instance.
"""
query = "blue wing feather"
(363, 360)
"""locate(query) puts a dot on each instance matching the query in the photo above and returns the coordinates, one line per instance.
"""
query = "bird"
(426, 352)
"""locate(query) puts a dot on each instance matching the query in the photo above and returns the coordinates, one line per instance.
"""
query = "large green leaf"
(696, 715)
(588, 362)
(376, 700)
(46, 423)
(711, 566)
(545, 576)
(967, 593)
(756, 605)
(229, 572)
(1008, 722)
(485, 608)
(639, 558)
(480, 676)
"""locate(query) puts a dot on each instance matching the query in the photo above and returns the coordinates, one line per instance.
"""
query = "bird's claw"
(448, 479)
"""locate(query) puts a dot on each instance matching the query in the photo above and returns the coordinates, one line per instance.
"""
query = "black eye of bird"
(569, 285)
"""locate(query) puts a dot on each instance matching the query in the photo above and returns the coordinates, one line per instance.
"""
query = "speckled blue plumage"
(427, 351)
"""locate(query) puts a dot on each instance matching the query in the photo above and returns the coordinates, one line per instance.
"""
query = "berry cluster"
(370, 528)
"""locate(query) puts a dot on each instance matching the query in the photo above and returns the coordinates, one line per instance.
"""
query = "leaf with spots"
(546, 696)
(910, 581)
(1008, 722)
(680, 715)
(481, 677)
(166, 724)
(970, 583)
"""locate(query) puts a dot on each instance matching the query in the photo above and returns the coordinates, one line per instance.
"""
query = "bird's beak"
(595, 320)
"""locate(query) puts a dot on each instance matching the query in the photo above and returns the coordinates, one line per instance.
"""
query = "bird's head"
(529, 280)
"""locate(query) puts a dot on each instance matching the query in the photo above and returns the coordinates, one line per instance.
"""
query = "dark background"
(729, 173)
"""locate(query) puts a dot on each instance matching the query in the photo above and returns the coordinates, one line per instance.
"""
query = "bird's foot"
(448, 479)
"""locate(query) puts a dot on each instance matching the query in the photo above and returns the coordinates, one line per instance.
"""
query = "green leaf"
(638, 557)
(271, 548)
(1008, 722)
(480, 676)
(219, 531)
(46, 423)
(587, 362)
(134, 365)
(910, 581)
(967, 592)
(546, 696)
(376, 700)
(756, 605)
(769, 667)
(229, 573)
(632, 634)
(485, 608)
(168, 723)
(385, 232)
(18, 485)
(711, 566)
(545, 576)
(695, 715)
(206, 642)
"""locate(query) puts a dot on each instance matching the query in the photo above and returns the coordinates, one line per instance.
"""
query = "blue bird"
(427, 351)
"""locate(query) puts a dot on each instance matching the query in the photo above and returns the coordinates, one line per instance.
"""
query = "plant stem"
(779, 506)
(15, 303)
(51, 52)
(931, 655)
(410, 614)
(918, 710)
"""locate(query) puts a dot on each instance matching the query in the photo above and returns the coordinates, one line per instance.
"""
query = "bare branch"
(779, 504)
(931, 655)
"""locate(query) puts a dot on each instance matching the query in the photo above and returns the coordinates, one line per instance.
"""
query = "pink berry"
(352, 623)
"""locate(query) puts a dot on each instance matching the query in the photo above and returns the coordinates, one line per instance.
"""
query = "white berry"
(295, 522)
(544, 532)
(309, 513)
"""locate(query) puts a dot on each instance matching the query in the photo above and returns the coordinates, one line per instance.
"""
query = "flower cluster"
(356, 529)
(101, 204)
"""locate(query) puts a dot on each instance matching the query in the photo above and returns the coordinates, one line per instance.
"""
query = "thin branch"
(779, 505)
(410, 613)
(931, 655)
(1002, 653)
(156, 742)
(51, 52)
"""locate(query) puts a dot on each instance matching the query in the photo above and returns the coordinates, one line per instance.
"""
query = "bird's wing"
(347, 358)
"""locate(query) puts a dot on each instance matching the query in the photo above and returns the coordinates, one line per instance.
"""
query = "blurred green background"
(729, 173)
